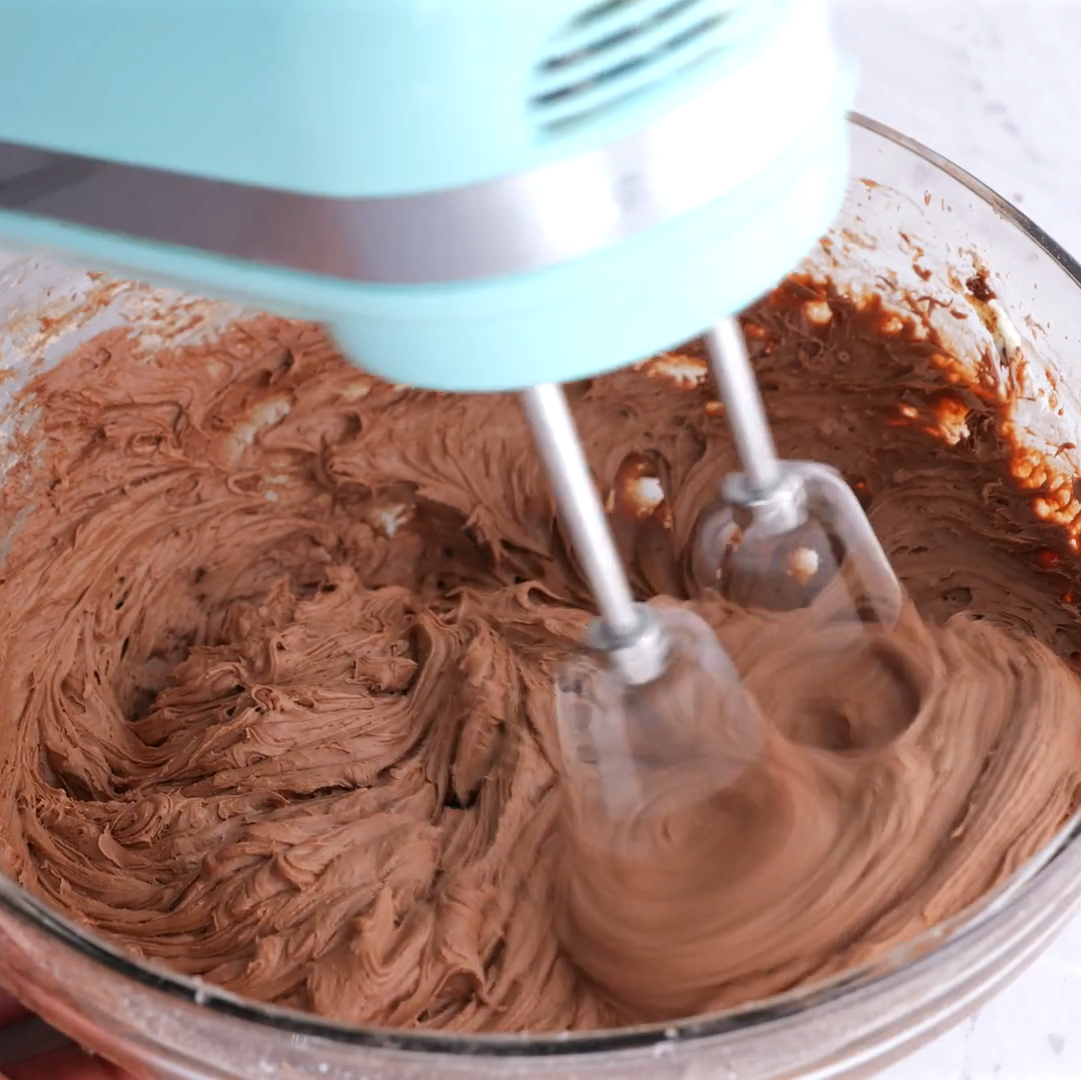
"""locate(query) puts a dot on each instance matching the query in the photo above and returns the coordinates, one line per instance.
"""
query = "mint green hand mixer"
(474, 195)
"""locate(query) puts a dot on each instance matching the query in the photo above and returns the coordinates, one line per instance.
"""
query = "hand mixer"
(475, 195)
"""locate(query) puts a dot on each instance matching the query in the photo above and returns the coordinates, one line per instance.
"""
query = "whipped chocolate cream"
(277, 646)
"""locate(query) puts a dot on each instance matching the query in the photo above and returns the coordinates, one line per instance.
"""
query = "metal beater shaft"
(746, 414)
(580, 508)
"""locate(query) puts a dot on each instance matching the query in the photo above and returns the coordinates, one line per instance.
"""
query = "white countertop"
(994, 85)
(1031, 1031)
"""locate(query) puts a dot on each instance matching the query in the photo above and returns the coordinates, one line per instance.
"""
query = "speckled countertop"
(994, 85)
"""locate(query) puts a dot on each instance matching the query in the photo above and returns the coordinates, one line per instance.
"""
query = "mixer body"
(475, 194)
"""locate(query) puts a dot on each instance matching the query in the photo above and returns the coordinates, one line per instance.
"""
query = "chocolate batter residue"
(276, 656)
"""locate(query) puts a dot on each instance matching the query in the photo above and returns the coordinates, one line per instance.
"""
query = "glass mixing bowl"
(913, 225)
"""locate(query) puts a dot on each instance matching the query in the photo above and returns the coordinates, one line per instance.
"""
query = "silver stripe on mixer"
(512, 225)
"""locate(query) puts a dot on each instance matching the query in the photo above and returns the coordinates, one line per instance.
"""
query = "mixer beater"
(661, 716)
(624, 745)
(785, 530)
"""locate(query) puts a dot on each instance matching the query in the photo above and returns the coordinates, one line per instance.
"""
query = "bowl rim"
(929, 946)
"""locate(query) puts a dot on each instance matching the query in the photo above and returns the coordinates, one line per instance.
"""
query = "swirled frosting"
(277, 642)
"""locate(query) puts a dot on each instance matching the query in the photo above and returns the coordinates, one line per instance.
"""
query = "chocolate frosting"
(277, 648)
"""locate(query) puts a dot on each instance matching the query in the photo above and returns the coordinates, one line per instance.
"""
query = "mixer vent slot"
(616, 48)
